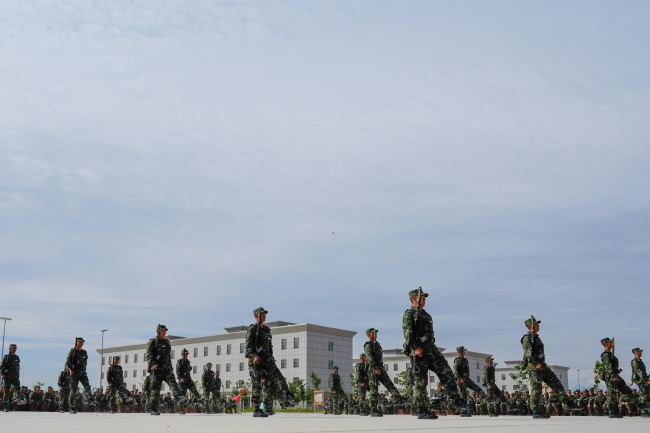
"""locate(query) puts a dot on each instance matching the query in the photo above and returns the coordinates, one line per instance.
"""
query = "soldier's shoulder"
(366, 344)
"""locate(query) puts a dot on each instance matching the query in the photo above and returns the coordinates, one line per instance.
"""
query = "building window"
(395, 367)
(135, 358)
(194, 369)
(283, 363)
(217, 368)
(173, 355)
(205, 351)
(162, 386)
(241, 366)
(241, 348)
(408, 365)
(560, 376)
(110, 360)
(503, 377)
(144, 372)
(227, 367)
(503, 387)
(228, 349)
(330, 346)
(478, 379)
(126, 374)
(330, 364)
(219, 350)
(241, 384)
(126, 359)
(134, 387)
(283, 344)
(102, 375)
(296, 362)
(135, 373)
(296, 342)
(196, 352)
(103, 360)
(514, 387)
(227, 384)
(478, 367)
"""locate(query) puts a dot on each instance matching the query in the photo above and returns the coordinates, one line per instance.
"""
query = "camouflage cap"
(529, 321)
(161, 327)
(636, 349)
(79, 339)
(13, 345)
(184, 351)
(489, 358)
(336, 367)
(117, 357)
(363, 355)
(259, 310)
(208, 364)
(460, 349)
(605, 340)
(415, 293)
(369, 330)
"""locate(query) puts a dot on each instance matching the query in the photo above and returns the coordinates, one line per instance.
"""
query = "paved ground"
(307, 423)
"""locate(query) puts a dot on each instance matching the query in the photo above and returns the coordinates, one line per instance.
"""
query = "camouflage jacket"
(115, 376)
(417, 333)
(217, 383)
(533, 349)
(64, 379)
(207, 380)
(639, 374)
(77, 360)
(461, 367)
(159, 352)
(10, 366)
(184, 369)
(335, 382)
(608, 366)
(374, 355)
(489, 373)
(361, 370)
(259, 341)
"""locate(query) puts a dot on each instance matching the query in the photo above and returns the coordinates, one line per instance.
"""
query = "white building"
(297, 348)
(506, 383)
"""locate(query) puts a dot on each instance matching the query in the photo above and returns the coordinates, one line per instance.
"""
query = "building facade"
(507, 383)
(298, 350)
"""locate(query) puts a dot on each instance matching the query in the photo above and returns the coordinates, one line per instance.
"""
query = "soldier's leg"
(110, 397)
(256, 385)
(612, 402)
(363, 404)
(6, 386)
(536, 380)
(84, 381)
(156, 382)
(373, 388)
(420, 381)
(474, 387)
(439, 365)
(74, 385)
(170, 379)
(390, 386)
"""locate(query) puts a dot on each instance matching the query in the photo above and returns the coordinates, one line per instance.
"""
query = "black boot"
(259, 413)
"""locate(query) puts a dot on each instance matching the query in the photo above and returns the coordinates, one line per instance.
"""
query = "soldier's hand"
(631, 383)
(648, 382)
(256, 359)
(418, 352)
(462, 380)
(71, 373)
(182, 380)
(616, 378)
(538, 366)
(378, 371)
(155, 366)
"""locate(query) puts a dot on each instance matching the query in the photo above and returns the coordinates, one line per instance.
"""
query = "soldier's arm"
(408, 327)
(151, 356)
(250, 342)
(70, 360)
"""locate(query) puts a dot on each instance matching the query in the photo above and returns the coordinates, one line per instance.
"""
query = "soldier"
(49, 400)
(183, 371)
(609, 373)
(600, 403)
(160, 366)
(64, 390)
(10, 372)
(336, 390)
(262, 367)
(440, 401)
(362, 380)
(463, 380)
(640, 378)
(76, 362)
(209, 387)
(115, 379)
(535, 361)
(35, 398)
(377, 371)
(489, 382)
(420, 346)
(146, 392)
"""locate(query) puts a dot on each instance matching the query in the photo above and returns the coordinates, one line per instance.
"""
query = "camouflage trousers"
(375, 380)
(269, 376)
(612, 388)
(537, 378)
(112, 395)
(433, 360)
(469, 383)
(159, 376)
(361, 398)
(188, 385)
(63, 399)
(338, 395)
(644, 391)
(216, 395)
(74, 386)
(9, 381)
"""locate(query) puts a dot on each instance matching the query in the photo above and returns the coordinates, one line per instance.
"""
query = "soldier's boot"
(72, 411)
(465, 413)
(259, 413)
(289, 400)
(154, 412)
(269, 411)
(540, 415)
(427, 415)
(376, 414)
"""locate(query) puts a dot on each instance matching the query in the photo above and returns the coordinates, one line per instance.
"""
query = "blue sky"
(185, 162)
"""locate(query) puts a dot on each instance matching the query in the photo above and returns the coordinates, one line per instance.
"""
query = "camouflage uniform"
(554, 405)
(10, 370)
(362, 381)
(183, 372)
(76, 362)
(64, 390)
(489, 382)
(640, 378)
(159, 353)
(259, 343)
(533, 356)
(609, 372)
(461, 371)
(209, 387)
(441, 400)
(420, 335)
(337, 392)
(374, 360)
(115, 380)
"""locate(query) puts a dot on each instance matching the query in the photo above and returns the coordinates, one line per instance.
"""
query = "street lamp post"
(101, 362)
(579, 387)
(3, 333)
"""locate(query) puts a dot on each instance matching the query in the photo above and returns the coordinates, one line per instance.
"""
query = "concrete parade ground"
(305, 423)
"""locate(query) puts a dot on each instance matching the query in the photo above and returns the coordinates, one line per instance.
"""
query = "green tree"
(315, 380)
(297, 388)
(404, 383)
(39, 384)
(518, 376)
(597, 381)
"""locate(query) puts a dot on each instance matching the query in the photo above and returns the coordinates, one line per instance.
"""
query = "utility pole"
(101, 362)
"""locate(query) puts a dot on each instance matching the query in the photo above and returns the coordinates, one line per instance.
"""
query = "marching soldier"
(361, 371)
(115, 380)
(489, 382)
(160, 366)
(609, 373)
(640, 378)
(76, 362)
(463, 379)
(10, 371)
(336, 390)
(376, 371)
(209, 387)
(183, 371)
